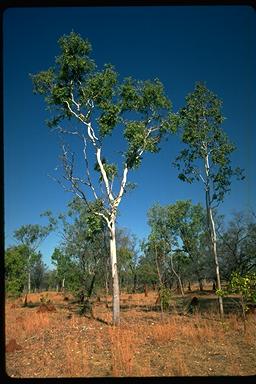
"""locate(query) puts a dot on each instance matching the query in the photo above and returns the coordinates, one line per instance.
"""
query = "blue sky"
(178, 44)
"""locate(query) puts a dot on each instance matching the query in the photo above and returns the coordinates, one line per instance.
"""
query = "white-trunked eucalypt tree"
(92, 103)
(206, 157)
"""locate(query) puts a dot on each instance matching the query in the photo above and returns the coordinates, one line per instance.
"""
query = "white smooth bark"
(216, 261)
(115, 281)
(213, 236)
(63, 284)
(110, 215)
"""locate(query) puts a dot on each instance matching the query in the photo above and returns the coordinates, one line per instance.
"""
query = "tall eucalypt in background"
(93, 103)
(206, 157)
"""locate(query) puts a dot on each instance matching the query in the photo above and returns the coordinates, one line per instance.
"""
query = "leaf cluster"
(244, 285)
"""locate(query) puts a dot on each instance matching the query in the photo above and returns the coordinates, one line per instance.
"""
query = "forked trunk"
(179, 283)
(115, 281)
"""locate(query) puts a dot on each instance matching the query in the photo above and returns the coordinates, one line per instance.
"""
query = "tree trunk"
(158, 267)
(115, 282)
(91, 286)
(189, 287)
(216, 261)
(212, 233)
(135, 280)
(178, 277)
(213, 240)
(29, 282)
(146, 290)
(63, 284)
(201, 285)
(106, 290)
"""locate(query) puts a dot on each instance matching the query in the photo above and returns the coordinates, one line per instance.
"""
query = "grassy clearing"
(64, 344)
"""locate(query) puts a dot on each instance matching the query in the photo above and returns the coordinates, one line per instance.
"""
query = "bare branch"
(65, 131)
(87, 168)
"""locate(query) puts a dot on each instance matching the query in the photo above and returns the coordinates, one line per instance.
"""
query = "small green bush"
(165, 297)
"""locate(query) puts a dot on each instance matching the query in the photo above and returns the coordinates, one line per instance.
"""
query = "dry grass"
(64, 344)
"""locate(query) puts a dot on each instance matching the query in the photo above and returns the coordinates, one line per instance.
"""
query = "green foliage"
(108, 119)
(110, 169)
(74, 59)
(38, 271)
(148, 100)
(141, 96)
(147, 272)
(99, 94)
(244, 285)
(32, 235)
(83, 251)
(43, 81)
(61, 262)
(15, 269)
(165, 297)
(179, 229)
(220, 292)
(200, 126)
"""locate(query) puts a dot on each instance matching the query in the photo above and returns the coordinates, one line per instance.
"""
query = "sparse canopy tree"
(97, 103)
(32, 235)
(38, 271)
(62, 264)
(206, 157)
(237, 245)
(128, 256)
(83, 248)
(188, 224)
(147, 270)
(177, 233)
(160, 240)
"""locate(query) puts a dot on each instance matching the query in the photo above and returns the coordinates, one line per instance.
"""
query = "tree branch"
(104, 175)
(87, 169)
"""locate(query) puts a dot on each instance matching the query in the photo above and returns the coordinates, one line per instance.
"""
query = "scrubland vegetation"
(62, 343)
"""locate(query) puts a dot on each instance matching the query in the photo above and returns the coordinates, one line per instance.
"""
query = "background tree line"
(175, 254)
